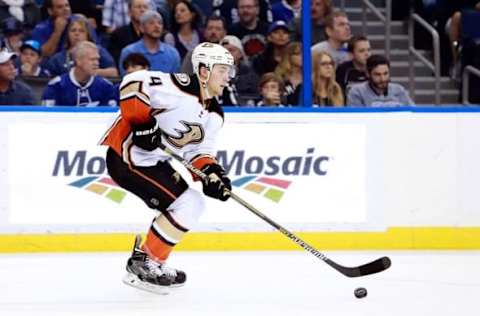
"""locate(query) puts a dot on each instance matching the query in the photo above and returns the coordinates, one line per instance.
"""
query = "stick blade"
(375, 266)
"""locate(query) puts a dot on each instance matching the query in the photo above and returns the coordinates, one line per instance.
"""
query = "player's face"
(380, 77)
(361, 52)
(7, 71)
(219, 78)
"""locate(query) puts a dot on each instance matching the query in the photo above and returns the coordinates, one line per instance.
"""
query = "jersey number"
(155, 81)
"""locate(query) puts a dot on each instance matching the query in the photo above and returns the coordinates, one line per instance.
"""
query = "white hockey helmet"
(210, 54)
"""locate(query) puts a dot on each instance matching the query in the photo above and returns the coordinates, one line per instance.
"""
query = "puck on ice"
(360, 292)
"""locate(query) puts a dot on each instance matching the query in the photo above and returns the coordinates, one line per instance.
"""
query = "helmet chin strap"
(204, 86)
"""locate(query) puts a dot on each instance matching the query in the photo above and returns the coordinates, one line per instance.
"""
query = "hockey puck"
(360, 292)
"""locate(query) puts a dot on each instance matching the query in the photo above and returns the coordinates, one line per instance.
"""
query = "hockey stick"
(376, 266)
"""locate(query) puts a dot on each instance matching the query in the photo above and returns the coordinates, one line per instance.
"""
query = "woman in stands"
(78, 31)
(326, 91)
(290, 70)
(185, 29)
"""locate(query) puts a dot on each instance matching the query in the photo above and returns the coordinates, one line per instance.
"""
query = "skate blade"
(132, 280)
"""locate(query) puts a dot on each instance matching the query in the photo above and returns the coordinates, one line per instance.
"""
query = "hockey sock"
(163, 235)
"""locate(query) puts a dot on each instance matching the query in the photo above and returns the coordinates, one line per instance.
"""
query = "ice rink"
(243, 283)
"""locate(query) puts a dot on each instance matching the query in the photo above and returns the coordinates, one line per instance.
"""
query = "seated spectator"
(250, 29)
(229, 10)
(337, 28)
(242, 89)
(51, 33)
(115, 14)
(326, 91)
(88, 9)
(378, 91)
(286, 10)
(291, 72)
(12, 92)
(271, 89)
(13, 35)
(130, 33)
(185, 32)
(81, 86)
(26, 11)
(278, 39)
(133, 62)
(162, 57)
(78, 31)
(354, 71)
(31, 59)
(319, 10)
(245, 83)
(215, 30)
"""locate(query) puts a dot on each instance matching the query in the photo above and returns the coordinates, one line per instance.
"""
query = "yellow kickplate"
(396, 238)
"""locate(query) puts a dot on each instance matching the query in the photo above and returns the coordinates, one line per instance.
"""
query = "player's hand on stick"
(216, 185)
(147, 136)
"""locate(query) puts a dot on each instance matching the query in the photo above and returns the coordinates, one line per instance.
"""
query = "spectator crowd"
(81, 49)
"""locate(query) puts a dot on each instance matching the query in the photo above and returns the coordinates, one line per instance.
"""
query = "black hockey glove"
(147, 136)
(216, 185)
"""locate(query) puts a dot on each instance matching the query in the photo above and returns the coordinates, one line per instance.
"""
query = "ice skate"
(144, 273)
(149, 275)
(177, 277)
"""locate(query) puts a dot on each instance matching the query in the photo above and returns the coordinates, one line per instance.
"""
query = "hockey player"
(179, 111)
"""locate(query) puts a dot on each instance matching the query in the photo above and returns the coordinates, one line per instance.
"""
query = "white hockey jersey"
(189, 128)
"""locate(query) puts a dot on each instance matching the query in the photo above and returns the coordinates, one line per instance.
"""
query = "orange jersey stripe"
(134, 111)
(117, 134)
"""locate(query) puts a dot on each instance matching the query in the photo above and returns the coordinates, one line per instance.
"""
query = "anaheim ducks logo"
(182, 79)
(193, 134)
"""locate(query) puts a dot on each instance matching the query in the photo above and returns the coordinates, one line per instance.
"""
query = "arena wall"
(342, 179)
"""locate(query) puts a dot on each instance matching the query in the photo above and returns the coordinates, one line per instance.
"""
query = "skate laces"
(154, 267)
(169, 271)
(160, 268)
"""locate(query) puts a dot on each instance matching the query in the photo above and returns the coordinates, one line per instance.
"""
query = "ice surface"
(243, 283)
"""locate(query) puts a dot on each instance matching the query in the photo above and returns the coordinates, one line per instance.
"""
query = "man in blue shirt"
(51, 33)
(378, 91)
(80, 86)
(12, 92)
(162, 57)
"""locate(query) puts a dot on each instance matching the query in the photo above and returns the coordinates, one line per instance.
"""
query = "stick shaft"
(251, 208)
(369, 268)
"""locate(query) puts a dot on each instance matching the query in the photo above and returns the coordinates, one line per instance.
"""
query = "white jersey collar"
(75, 82)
